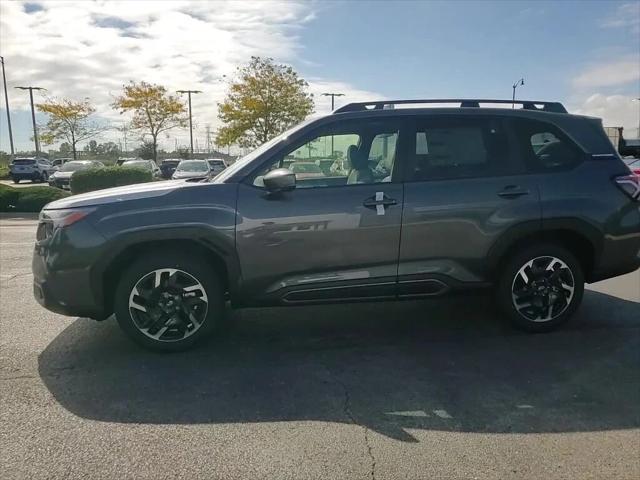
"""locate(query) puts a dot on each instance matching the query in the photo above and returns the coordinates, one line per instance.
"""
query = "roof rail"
(555, 107)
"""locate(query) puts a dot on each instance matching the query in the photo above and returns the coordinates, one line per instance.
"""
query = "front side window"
(451, 148)
(360, 152)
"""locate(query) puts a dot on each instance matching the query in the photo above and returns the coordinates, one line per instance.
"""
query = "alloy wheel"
(168, 305)
(543, 289)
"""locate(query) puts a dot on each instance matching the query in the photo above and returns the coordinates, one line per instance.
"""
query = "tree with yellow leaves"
(154, 110)
(69, 121)
(265, 100)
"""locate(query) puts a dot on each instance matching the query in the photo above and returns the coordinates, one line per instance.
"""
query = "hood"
(117, 194)
(60, 174)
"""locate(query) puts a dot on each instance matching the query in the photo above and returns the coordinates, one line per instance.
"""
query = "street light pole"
(515, 85)
(33, 115)
(6, 102)
(189, 92)
(333, 97)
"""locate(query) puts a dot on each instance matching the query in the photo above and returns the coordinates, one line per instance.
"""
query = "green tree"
(146, 150)
(265, 100)
(154, 111)
(68, 120)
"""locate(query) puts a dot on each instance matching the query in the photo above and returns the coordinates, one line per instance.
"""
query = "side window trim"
(304, 137)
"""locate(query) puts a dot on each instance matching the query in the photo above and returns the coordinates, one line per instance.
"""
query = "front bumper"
(59, 183)
(65, 292)
(63, 275)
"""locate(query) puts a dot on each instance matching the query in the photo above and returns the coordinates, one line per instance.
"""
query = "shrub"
(30, 199)
(8, 197)
(114, 176)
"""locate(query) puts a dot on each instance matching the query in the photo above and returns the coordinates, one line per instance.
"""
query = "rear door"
(332, 238)
(465, 188)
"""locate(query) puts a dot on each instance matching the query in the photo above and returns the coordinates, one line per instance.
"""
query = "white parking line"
(442, 414)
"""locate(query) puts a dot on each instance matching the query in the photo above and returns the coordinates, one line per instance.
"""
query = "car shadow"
(445, 364)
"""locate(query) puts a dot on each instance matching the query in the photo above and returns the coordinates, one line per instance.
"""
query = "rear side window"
(26, 161)
(544, 147)
(449, 148)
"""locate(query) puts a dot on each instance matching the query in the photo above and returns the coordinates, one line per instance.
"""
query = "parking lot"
(419, 389)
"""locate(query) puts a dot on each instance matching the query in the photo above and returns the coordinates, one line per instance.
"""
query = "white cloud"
(615, 110)
(90, 49)
(625, 16)
(608, 74)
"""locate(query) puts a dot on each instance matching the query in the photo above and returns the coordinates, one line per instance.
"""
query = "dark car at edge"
(416, 202)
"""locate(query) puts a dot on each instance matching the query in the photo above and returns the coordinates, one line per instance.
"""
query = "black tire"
(522, 318)
(193, 266)
(44, 177)
(15, 180)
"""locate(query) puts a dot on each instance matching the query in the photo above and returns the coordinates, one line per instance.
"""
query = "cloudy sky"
(586, 54)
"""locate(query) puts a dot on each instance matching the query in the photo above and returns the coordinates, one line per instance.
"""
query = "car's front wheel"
(168, 301)
(541, 287)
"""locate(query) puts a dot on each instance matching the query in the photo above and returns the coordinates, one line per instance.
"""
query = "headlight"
(64, 217)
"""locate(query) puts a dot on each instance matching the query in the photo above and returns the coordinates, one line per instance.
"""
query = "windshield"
(73, 166)
(247, 159)
(192, 166)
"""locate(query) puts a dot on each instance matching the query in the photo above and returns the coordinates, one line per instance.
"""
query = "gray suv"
(405, 203)
(35, 169)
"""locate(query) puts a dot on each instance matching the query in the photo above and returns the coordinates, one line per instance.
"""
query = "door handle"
(373, 202)
(513, 191)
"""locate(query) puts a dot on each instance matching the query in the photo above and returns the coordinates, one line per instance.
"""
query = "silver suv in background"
(36, 169)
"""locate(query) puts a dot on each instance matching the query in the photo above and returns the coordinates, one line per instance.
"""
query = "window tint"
(355, 153)
(544, 147)
(459, 148)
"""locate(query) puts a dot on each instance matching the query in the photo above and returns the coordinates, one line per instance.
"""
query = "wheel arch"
(216, 252)
(578, 237)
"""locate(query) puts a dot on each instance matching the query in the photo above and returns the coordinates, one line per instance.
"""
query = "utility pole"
(208, 139)
(33, 115)
(124, 129)
(514, 86)
(638, 100)
(189, 92)
(6, 102)
(333, 97)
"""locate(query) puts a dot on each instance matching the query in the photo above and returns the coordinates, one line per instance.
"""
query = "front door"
(336, 236)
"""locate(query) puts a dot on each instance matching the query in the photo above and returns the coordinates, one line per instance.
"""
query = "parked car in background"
(36, 169)
(633, 163)
(192, 169)
(146, 164)
(62, 177)
(304, 170)
(532, 202)
(168, 166)
(121, 160)
(58, 162)
(216, 165)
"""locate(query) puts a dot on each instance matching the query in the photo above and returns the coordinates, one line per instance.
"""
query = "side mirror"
(279, 180)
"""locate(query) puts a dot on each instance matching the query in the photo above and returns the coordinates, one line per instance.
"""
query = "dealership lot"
(424, 389)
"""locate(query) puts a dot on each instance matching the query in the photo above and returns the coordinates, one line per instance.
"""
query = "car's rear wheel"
(541, 287)
(168, 301)
(44, 177)
(15, 179)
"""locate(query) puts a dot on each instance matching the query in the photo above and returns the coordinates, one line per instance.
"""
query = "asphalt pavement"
(421, 389)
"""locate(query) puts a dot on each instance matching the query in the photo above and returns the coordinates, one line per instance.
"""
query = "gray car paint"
(322, 244)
